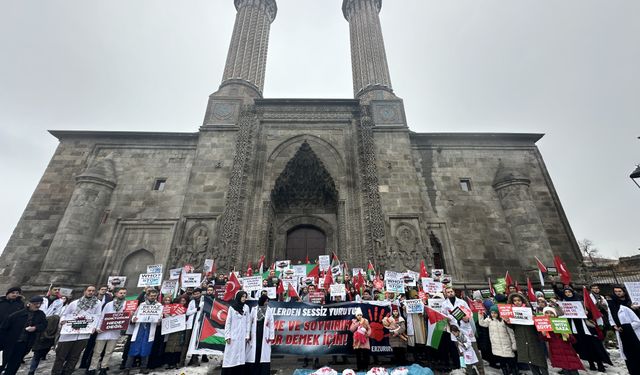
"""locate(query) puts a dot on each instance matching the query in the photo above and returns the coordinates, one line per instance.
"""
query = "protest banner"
(394, 282)
(300, 270)
(271, 292)
(436, 304)
(477, 306)
(560, 325)
(317, 297)
(437, 273)
(67, 292)
(324, 262)
(486, 293)
(549, 293)
(292, 282)
(130, 307)
(79, 325)
(191, 280)
(173, 309)
(173, 324)
(154, 268)
(288, 273)
(174, 273)
(307, 281)
(431, 287)
(282, 265)
(338, 290)
(149, 313)
(542, 323)
(336, 271)
(414, 306)
(506, 310)
(409, 278)
(522, 316)
(633, 288)
(207, 267)
(500, 285)
(457, 313)
(252, 283)
(116, 282)
(115, 321)
(149, 279)
(301, 329)
(446, 279)
(169, 287)
(552, 271)
(573, 309)
(219, 290)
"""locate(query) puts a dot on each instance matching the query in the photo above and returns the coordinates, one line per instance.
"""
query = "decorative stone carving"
(373, 218)
(407, 240)
(195, 249)
(388, 112)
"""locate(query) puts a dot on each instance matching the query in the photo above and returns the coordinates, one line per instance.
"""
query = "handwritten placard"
(521, 316)
(573, 309)
(149, 313)
(191, 280)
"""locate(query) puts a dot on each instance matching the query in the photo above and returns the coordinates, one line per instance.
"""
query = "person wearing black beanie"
(10, 303)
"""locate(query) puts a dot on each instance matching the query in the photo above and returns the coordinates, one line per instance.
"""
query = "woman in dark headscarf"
(262, 335)
(627, 326)
(237, 332)
(588, 345)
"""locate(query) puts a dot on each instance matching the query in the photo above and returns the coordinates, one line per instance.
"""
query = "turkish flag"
(508, 280)
(530, 293)
(328, 280)
(565, 276)
(232, 287)
(219, 313)
(423, 270)
(590, 306)
(292, 292)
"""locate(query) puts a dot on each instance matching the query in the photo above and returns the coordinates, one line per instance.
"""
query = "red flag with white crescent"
(565, 276)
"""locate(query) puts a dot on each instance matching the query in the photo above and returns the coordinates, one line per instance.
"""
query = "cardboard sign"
(560, 325)
(252, 283)
(506, 311)
(317, 297)
(116, 282)
(271, 292)
(338, 290)
(67, 292)
(81, 325)
(486, 293)
(573, 309)
(409, 278)
(325, 262)
(542, 323)
(477, 306)
(521, 316)
(149, 313)
(191, 280)
(169, 287)
(300, 270)
(115, 321)
(633, 288)
(174, 309)
(130, 307)
(430, 286)
(282, 265)
(174, 273)
(549, 293)
(149, 279)
(173, 324)
(436, 304)
(394, 282)
(154, 268)
(414, 306)
(208, 266)
(457, 313)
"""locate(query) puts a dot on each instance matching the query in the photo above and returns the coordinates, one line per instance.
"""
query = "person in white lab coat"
(107, 340)
(237, 332)
(262, 335)
(627, 326)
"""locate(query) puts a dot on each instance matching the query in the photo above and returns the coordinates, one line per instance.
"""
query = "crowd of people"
(34, 325)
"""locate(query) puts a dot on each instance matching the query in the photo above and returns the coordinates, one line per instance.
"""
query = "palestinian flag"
(436, 325)
(214, 316)
(371, 272)
(542, 270)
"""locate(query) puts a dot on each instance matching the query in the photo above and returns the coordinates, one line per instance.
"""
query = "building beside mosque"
(290, 179)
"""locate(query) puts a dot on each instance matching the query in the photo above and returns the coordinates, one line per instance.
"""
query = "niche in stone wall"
(135, 264)
(406, 248)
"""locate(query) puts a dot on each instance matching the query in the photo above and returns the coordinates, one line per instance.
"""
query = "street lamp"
(635, 175)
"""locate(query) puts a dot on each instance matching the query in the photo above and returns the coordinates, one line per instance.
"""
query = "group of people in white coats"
(249, 334)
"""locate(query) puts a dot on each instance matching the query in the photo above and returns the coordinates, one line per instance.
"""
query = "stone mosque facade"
(290, 178)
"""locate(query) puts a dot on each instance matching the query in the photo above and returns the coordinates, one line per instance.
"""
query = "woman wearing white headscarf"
(237, 332)
(262, 335)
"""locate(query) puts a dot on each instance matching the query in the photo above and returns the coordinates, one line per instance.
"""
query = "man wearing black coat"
(10, 303)
(19, 331)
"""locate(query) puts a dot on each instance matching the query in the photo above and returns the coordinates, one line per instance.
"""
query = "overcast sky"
(568, 68)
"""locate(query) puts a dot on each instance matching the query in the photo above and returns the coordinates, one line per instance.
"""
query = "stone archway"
(135, 264)
(305, 242)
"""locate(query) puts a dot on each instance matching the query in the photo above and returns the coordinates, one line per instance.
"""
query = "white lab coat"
(626, 316)
(448, 307)
(71, 312)
(136, 326)
(55, 308)
(269, 333)
(237, 328)
(191, 313)
(108, 335)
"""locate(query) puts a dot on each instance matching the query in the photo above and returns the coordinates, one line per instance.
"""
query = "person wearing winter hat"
(10, 303)
(503, 341)
(561, 352)
(528, 340)
(397, 337)
(19, 331)
(361, 332)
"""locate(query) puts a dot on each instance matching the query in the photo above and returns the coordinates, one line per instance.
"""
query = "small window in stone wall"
(159, 184)
(465, 184)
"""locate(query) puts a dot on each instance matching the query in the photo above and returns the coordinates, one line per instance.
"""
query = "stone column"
(368, 57)
(73, 239)
(247, 57)
(527, 232)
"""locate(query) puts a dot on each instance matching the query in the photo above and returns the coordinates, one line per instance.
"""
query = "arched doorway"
(305, 241)
(135, 264)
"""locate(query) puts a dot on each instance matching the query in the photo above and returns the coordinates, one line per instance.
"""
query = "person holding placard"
(192, 310)
(627, 326)
(107, 340)
(503, 341)
(528, 340)
(397, 336)
(561, 352)
(70, 346)
(361, 332)
(175, 342)
(237, 333)
(143, 332)
(262, 336)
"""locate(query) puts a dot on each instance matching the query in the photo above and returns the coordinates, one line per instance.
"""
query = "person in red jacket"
(561, 352)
